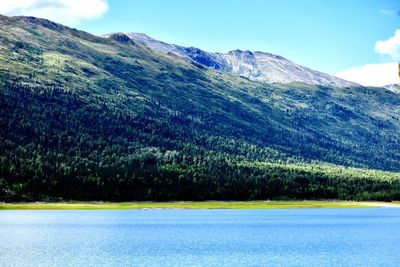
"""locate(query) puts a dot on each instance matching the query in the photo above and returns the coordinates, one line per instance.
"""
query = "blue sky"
(330, 36)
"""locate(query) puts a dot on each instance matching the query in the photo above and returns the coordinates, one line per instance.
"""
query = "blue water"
(293, 237)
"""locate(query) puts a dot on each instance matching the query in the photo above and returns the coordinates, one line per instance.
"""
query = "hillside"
(86, 117)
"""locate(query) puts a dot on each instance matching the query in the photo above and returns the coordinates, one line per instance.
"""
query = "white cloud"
(372, 74)
(390, 47)
(379, 74)
(69, 12)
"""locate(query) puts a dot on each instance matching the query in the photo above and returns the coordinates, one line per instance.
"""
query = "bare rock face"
(258, 66)
(204, 58)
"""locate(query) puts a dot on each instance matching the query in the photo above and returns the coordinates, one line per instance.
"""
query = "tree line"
(58, 144)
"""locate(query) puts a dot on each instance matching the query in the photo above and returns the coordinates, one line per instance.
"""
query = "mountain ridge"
(259, 66)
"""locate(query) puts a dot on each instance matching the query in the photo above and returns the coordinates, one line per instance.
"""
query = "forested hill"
(85, 117)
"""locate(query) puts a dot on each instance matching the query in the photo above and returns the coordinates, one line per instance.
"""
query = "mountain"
(257, 66)
(93, 118)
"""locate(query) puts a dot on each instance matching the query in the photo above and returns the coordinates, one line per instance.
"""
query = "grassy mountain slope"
(86, 117)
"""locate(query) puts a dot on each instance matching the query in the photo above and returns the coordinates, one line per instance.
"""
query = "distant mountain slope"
(258, 66)
(84, 117)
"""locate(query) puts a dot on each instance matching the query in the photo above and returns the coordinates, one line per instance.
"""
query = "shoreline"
(94, 205)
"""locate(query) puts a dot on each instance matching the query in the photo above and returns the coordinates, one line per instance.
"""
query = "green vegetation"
(192, 205)
(89, 118)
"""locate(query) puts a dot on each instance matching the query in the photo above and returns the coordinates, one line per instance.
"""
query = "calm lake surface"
(292, 237)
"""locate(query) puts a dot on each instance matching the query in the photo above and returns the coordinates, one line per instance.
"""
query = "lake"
(284, 237)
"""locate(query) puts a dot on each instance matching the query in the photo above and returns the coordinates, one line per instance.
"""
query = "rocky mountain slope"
(257, 66)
